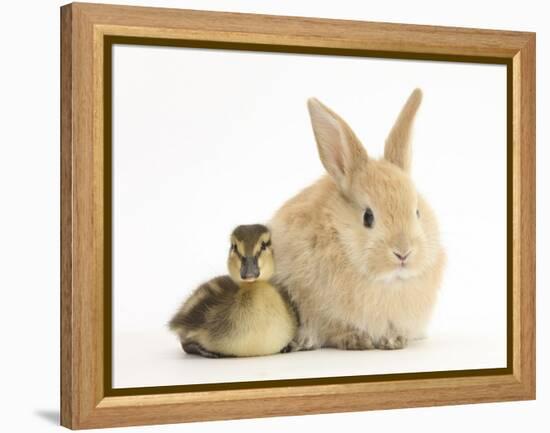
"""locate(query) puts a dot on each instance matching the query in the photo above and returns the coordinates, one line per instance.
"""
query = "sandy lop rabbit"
(359, 250)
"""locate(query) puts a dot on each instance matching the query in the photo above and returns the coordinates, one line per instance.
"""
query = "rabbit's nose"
(400, 256)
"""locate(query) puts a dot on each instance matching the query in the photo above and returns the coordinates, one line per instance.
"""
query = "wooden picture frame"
(87, 34)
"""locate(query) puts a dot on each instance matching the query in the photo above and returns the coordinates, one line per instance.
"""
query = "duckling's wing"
(197, 311)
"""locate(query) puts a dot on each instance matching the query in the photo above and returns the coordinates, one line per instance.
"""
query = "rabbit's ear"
(398, 146)
(340, 150)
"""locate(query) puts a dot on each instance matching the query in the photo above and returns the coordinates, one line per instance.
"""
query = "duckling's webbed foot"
(194, 348)
(290, 347)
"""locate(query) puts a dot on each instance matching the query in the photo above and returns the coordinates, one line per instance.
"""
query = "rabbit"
(359, 250)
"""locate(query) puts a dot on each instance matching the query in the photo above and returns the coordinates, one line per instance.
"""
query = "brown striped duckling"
(240, 314)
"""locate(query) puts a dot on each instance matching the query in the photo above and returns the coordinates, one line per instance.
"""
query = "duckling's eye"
(417, 213)
(368, 218)
(234, 248)
(265, 245)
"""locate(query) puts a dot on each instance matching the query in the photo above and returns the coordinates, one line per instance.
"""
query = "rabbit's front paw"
(302, 341)
(391, 343)
(354, 341)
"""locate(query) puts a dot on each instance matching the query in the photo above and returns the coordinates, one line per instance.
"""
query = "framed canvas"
(196, 144)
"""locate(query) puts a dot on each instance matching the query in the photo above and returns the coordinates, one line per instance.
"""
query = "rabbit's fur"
(351, 290)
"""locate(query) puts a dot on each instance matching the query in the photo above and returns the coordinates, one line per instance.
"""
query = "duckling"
(240, 314)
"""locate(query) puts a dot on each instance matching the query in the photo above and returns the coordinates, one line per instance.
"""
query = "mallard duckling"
(240, 314)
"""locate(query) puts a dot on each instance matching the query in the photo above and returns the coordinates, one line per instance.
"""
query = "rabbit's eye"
(417, 213)
(368, 218)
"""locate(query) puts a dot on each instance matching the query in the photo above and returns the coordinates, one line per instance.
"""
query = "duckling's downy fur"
(240, 314)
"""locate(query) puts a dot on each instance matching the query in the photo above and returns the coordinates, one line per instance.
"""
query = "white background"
(205, 140)
(29, 170)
